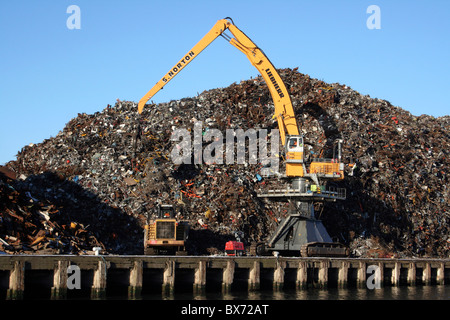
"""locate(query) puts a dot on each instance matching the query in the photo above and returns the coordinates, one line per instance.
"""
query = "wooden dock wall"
(66, 276)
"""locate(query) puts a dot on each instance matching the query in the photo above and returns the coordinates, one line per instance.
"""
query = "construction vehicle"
(234, 248)
(165, 234)
(300, 232)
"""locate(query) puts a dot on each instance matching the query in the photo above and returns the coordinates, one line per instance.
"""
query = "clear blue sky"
(50, 73)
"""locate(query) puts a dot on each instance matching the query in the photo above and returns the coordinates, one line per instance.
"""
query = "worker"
(292, 143)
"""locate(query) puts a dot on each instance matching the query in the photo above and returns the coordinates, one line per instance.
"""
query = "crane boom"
(216, 31)
(284, 112)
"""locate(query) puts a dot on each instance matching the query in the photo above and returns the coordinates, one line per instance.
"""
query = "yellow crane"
(284, 112)
(300, 231)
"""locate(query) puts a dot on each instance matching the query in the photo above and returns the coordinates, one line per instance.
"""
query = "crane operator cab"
(294, 155)
(295, 144)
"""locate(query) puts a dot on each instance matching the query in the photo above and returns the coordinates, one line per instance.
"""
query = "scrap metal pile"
(98, 180)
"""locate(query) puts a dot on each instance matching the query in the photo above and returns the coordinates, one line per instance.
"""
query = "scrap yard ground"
(98, 180)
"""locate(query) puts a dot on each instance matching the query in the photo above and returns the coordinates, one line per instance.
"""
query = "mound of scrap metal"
(103, 175)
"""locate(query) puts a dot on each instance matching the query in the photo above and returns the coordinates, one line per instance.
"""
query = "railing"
(338, 192)
(329, 160)
(325, 192)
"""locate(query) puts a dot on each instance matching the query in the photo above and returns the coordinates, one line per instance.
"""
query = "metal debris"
(106, 172)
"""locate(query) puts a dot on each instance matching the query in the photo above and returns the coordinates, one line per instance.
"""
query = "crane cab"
(294, 149)
(294, 144)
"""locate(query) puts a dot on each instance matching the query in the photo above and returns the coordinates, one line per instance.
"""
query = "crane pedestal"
(300, 232)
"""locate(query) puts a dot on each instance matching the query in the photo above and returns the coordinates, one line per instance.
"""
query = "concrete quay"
(96, 277)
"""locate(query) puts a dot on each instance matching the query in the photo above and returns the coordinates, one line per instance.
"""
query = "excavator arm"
(216, 31)
(284, 112)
